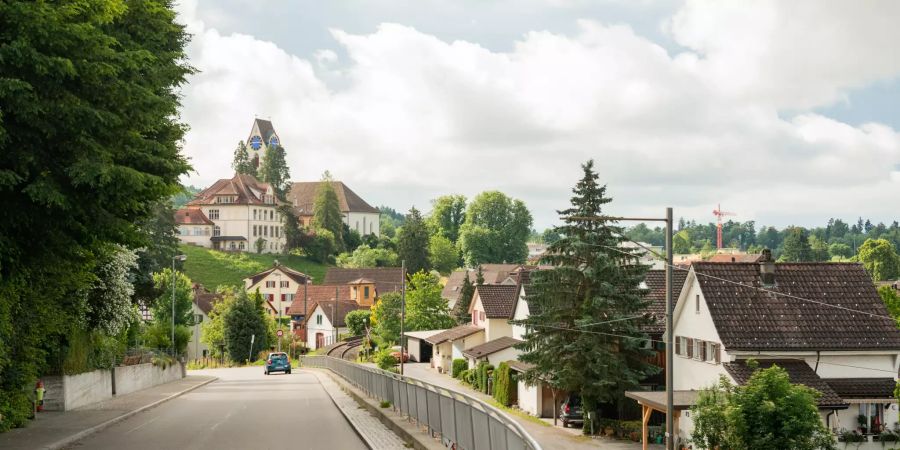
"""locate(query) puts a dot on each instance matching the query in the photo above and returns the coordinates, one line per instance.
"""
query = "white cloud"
(415, 116)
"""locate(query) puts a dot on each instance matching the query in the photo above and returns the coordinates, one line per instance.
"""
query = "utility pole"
(334, 316)
(280, 308)
(670, 331)
(402, 310)
(174, 279)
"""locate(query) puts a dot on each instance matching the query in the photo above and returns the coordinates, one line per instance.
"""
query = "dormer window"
(226, 199)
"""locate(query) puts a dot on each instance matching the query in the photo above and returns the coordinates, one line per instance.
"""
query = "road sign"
(279, 333)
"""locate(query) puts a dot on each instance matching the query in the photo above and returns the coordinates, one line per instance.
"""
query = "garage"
(419, 350)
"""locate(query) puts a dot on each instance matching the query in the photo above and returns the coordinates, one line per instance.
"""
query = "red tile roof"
(298, 277)
(386, 279)
(453, 334)
(303, 196)
(656, 285)
(746, 258)
(191, 216)
(249, 191)
(863, 388)
(498, 300)
(318, 293)
(750, 318)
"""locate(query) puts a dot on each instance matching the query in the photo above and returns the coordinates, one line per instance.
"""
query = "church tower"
(261, 135)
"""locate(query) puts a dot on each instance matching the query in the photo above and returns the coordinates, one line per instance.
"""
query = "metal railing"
(458, 419)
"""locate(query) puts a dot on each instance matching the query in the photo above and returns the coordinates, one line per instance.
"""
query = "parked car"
(570, 411)
(396, 354)
(278, 362)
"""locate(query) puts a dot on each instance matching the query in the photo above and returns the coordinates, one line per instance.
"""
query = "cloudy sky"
(783, 112)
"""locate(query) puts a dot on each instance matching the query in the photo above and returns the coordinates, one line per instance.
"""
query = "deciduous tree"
(273, 169)
(447, 215)
(880, 259)
(412, 242)
(496, 230)
(442, 254)
(327, 211)
(425, 308)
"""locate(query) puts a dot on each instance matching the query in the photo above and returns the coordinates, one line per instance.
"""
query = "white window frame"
(214, 214)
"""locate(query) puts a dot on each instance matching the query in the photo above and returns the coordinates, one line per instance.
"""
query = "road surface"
(244, 409)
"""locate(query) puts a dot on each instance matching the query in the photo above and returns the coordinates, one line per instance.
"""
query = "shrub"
(458, 366)
(384, 359)
(385, 404)
(465, 376)
(503, 385)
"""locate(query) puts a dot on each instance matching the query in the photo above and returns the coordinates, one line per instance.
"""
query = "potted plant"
(862, 420)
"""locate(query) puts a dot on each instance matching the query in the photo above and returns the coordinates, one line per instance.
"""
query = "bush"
(465, 376)
(320, 246)
(458, 366)
(503, 385)
(384, 359)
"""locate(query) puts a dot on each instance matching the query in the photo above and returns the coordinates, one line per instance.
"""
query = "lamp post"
(280, 307)
(174, 258)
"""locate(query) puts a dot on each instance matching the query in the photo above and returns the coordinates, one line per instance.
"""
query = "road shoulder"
(56, 430)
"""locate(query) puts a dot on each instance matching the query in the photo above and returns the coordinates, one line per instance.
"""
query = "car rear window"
(280, 357)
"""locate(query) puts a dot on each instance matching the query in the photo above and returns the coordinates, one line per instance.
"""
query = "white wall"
(237, 220)
(496, 329)
(276, 292)
(466, 343)
(87, 388)
(690, 373)
(507, 354)
(443, 356)
(195, 234)
(521, 313)
(142, 376)
(529, 398)
(363, 223)
(325, 328)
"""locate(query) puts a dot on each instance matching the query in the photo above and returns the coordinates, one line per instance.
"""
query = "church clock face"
(273, 141)
(255, 142)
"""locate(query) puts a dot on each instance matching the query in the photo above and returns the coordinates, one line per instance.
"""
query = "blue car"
(278, 362)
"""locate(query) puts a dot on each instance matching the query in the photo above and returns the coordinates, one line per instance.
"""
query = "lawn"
(214, 268)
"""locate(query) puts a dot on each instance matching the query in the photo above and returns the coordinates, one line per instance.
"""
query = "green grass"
(213, 268)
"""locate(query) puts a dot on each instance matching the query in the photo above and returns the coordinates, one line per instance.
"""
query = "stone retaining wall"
(68, 392)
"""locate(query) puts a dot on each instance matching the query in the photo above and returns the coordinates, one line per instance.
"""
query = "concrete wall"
(68, 392)
(530, 398)
(142, 376)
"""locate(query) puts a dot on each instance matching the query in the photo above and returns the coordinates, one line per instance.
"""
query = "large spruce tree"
(587, 311)
(412, 242)
(327, 211)
(273, 169)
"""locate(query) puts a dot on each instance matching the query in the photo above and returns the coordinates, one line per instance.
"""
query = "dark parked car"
(570, 411)
(278, 362)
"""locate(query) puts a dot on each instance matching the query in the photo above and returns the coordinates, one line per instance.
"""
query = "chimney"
(767, 268)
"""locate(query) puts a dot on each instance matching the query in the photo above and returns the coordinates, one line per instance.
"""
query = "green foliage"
(880, 259)
(213, 268)
(891, 301)
(767, 412)
(425, 308)
(109, 306)
(386, 317)
(321, 246)
(365, 256)
(549, 236)
(89, 141)
(590, 283)
(259, 245)
(384, 404)
(158, 335)
(442, 254)
(466, 376)
(245, 318)
(357, 321)
(483, 373)
(466, 292)
(412, 243)
(504, 386)
(840, 250)
(495, 230)
(796, 245)
(293, 235)
(212, 331)
(327, 213)
(241, 162)
(273, 169)
(384, 359)
(459, 365)
(163, 308)
(179, 199)
(818, 249)
(448, 213)
(159, 245)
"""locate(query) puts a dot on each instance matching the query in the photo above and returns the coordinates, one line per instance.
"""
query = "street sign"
(279, 333)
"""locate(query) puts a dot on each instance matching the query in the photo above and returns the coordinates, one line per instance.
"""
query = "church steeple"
(261, 134)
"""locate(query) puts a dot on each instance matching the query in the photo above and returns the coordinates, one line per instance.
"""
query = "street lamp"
(174, 258)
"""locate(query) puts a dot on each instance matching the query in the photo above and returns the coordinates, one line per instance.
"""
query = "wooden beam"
(644, 432)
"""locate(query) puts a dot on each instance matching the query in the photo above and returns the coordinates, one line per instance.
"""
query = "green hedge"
(503, 385)
(483, 373)
(458, 366)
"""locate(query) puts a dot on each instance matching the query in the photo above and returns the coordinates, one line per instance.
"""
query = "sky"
(786, 113)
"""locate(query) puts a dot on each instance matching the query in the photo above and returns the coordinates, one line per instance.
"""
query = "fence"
(456, 418)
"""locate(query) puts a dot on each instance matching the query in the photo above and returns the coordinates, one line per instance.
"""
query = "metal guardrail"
(458, 419)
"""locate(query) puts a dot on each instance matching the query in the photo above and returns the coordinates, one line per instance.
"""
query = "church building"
(261, 134)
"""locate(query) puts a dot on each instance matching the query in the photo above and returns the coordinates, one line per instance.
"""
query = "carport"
(656, 400)
(418, 349)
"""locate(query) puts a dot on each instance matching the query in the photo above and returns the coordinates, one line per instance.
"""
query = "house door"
(320, 340)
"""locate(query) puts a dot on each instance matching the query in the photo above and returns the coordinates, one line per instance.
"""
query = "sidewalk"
(52, 429)
(550, 437)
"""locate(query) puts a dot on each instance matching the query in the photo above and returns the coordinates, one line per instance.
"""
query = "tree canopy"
(447, 215)
(273, 169)
(89, 141)
(412, 242)
(241, 162)
(796, 246)
(425, 308)
(442, 254)
(496, 230)
(245, 321)
(585, 327)
(880, 259)
(327, 211)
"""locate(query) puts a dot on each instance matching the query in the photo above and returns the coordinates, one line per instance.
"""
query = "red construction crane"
(719, 214)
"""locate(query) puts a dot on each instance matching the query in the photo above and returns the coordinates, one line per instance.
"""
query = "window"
(276, 231)
(690, 347)
(241, 246)
(290, 297)
(700, 351)
(254, 214)
(366, 292)
(285, 284)
(697, 304)
(318, 319)
(254, 230)
(217, 231)
(214, 214)
(482, 315)
(265, 231)
(270, 284)
(713, 354)
(231, 245)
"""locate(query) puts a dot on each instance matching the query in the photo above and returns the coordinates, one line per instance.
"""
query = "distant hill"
(214, 268)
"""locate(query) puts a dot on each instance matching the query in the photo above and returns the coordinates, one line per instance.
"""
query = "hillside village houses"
(278, 286)
(233, 214)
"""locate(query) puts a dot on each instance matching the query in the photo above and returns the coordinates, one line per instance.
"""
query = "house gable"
(520, 313)
(696, 324)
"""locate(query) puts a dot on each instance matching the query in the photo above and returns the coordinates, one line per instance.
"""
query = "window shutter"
(690, 348)
(718, 353)
(702, 349)
(678, 345)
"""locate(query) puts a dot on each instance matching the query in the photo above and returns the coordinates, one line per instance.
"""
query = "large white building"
(357, 214)
(234, 214)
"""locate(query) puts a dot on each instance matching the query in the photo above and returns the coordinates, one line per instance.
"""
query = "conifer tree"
(241, 162)
(273, 169)
(583, 334)
(465, 299)
(327, 211)
(412, 242)
(479, 277)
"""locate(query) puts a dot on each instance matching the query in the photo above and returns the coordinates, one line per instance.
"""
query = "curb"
(62, 443)
(358, 432)
(417, 442)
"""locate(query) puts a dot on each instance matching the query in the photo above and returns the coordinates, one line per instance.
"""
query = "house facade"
(202, 304)
(450, 344)
(357, 214)
(234, 214)
(279, 286)
(824, 323)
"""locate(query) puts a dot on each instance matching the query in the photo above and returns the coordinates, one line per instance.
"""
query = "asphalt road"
(244, 409)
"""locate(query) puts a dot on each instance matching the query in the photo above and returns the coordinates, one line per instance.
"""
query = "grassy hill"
(214, 268)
